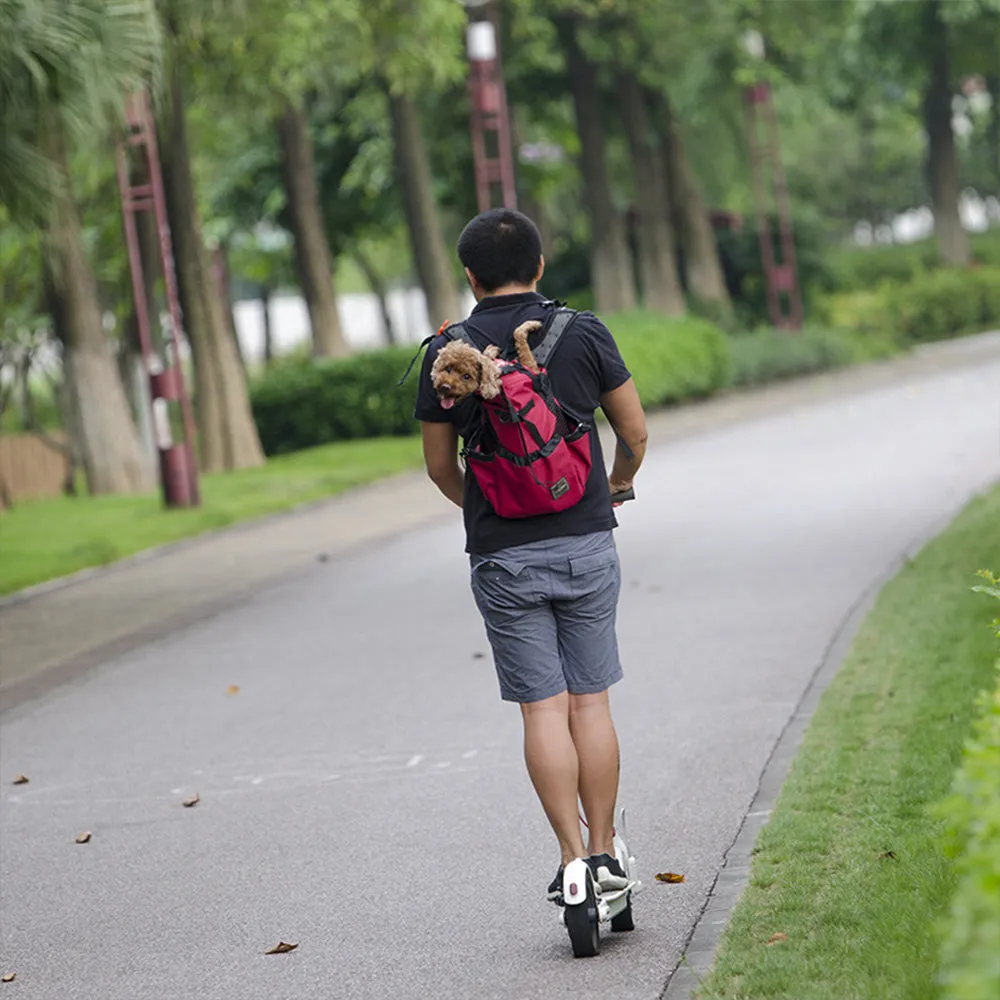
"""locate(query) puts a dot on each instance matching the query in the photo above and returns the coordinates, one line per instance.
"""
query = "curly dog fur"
(459, 370)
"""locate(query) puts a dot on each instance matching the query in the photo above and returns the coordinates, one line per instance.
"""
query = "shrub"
(865, 268)
(672, 359)
(298, 404)
(933, 306)
(970, 959)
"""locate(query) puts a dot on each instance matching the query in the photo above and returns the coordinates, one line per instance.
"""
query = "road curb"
(700, 948)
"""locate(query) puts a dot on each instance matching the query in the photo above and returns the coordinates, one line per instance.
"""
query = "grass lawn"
(43, 539)
(850, 865)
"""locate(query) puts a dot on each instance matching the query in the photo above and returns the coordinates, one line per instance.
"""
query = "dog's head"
(459, 370)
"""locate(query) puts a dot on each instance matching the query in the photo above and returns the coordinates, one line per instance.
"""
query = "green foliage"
(864, 268)
(298, 404)
(64, 67)
(970, 958)
(672, 360)
(935, 305)
(768, 355)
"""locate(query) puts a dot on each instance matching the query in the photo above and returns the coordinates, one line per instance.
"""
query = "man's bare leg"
(554, 768)
(596, 744)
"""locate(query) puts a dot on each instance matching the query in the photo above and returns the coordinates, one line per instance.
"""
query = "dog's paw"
(492, 352)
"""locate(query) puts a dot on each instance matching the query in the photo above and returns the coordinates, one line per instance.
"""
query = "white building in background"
(978, 215)
(360, 319)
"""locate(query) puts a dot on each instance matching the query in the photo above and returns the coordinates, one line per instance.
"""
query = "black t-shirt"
(585, 365)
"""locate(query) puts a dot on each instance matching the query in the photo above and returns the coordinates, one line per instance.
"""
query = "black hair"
(501, 247)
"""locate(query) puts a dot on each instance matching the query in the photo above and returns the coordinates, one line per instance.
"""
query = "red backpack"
(528, 454)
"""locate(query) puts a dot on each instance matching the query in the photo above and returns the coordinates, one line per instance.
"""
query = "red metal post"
(784, 298)
(489, 118)
(178, 475)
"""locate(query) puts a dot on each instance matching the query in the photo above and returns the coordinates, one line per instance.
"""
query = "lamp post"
(784, 298)
(489, 120)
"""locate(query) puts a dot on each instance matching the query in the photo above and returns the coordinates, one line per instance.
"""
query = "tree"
(63, 71)
(227, 434)
(417, 46)
(611, 260)
(661, 288)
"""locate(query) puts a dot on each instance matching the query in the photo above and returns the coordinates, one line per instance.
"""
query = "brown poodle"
(460, 369)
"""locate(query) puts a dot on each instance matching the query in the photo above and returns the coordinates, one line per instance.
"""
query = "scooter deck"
(614, 894)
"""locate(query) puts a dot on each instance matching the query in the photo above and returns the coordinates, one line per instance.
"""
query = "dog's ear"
(489, 386)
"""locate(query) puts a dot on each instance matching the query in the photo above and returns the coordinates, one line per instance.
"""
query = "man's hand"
(618, 486)
(440, 442)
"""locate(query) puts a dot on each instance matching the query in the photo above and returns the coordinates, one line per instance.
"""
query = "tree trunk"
(312, 252)
(942, 160)
(220, 272)
(112, 455)
(527, 202)
(413, 175)
(228, 436)
(661, 285)
(696, 239)
(377, 284)
(265, 305)
(611, 270)
(993, 86)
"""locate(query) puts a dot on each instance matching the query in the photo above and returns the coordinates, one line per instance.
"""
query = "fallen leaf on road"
(233, 689)
(888, 856)
(192, 801)
(776, 938)
(670, 877)
(280, 948)
(83, 838)
(21, 779)
(8, 977)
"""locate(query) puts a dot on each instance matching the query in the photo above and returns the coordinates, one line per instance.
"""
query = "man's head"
(501, 249)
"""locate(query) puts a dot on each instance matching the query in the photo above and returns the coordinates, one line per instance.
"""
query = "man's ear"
(541, 269)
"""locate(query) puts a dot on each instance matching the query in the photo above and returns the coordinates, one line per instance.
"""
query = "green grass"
(881, 750)
(44, 539)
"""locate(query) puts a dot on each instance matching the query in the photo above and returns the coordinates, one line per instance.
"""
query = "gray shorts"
(549, 609)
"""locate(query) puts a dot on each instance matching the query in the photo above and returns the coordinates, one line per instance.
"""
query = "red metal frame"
(178, 475)
(489, 122)
(784, 297)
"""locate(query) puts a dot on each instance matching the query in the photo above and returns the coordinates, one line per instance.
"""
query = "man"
(547, 586)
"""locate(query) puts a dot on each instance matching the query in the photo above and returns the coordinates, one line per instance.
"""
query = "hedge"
(934, 306)
(768, 355)
(672, 359)
(865, 268)
(299, 404)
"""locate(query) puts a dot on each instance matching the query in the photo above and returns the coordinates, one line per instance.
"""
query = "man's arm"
(624, 413)
(441, 458)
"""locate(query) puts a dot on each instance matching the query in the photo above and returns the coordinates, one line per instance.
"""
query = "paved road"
(362, 794)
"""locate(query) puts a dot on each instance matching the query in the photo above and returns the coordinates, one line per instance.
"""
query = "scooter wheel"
(584, 925)
(623, 921)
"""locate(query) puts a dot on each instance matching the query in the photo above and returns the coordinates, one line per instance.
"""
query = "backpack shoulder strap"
(452, 331)
(560, 324)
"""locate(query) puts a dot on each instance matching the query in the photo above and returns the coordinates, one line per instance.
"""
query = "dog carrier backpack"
(528, 454)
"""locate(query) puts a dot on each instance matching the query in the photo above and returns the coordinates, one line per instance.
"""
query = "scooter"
(586, 907)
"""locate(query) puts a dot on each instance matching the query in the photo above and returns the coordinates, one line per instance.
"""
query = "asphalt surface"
(362, 794)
